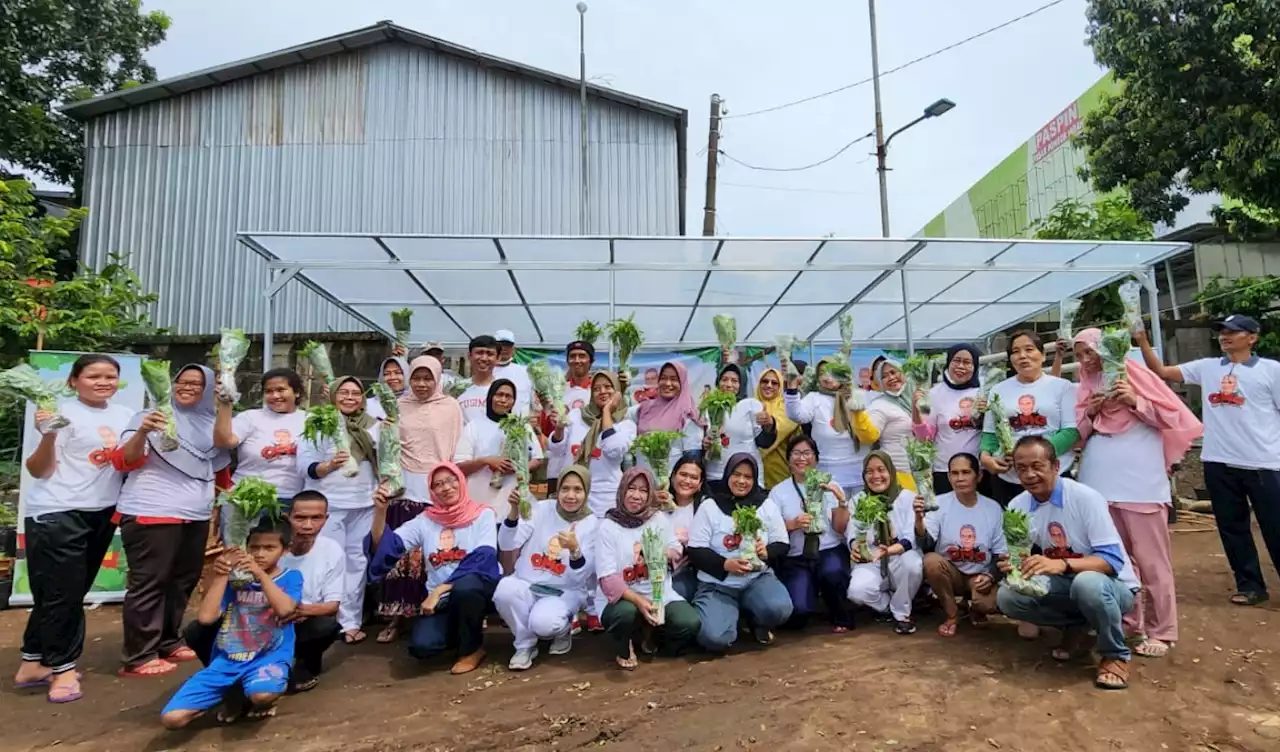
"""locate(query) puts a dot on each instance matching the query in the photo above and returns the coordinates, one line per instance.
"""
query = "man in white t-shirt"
(1240, 407)
(1079, 556)
(513, 372)
(483, 355)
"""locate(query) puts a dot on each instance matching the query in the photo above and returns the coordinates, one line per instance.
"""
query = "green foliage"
(1256, 297)
(1247, 223)
(53, 52)
(1198, 111)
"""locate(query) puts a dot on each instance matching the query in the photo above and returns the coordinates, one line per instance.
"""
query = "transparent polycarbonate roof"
(541, 288)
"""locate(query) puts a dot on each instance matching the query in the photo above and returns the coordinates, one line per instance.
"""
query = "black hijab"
(493, 390)
(973, 382)
(724, 497)
(742, 385)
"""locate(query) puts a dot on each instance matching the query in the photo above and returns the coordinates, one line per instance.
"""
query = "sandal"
(64, 693)
(306, 685)
(389, 634)
(904, 627)
(1149, 648)
(837, 629)
(260, 712)
(1249, 599)
(182, 655)
(1113, 673)
(763, 636)
(948, 628)
(629, 663)
(354, 637)
(153, 667)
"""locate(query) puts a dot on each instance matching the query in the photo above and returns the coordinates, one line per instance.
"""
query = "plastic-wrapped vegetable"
(815, 490)
(390, 475)
(921, 456)
(747, 527)
(1131, 299)
(1017, 533)
(786, 344)
(627, 337)
(243, 507)
(870, 512)
(1004, 432)
(401, 323)
(589, 331)
(233, 348)
(1067, 311)
(995, 374)
(716, 406)
(24, 382)
(515, 447)
(655, 447)
(1113, 351)
(155, 375)
(919, 372)
(726, 330)
(316, 354)
(846, 335)
(654, 549)
(326, 422)
(548, 383)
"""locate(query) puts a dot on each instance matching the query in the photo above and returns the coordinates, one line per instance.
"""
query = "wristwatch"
(1066, 567)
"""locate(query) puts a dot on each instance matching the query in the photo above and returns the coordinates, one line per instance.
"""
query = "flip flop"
(1249, 599)
(153, 667)
(388, 635)
(182, 655)
(948, 628)
(42, 682)
(66, 693)
(354, 637)
(1152, 648)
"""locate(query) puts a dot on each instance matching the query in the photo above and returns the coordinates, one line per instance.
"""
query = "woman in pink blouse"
(954, 424)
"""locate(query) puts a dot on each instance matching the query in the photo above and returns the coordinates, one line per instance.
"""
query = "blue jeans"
(1088, 598)
(765, 600)
(686, 583)
(459, 624)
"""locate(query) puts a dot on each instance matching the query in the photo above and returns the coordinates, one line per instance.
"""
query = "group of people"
(451, 553)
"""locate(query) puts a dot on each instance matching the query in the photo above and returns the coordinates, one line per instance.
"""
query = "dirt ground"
(867, 690)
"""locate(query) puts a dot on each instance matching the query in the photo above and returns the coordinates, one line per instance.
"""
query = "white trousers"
(532, 617)
(348, 527)
(868, 588)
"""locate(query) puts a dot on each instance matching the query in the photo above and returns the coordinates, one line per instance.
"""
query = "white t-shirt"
(738, 434)
(1241, 407)
(269, 448)
(605, 464)
(1040, 408)
(444, 548)
(1127, 467)
(157, 489)
(894, 424)
(1077, 528)
(322, 568)
(902, 522)
(542, 559)
(83, 477)
(518, 375)
(714, 529)
(619, 551)
(968, 537)
(955, 418)
(681, 521)
(483, 438)
(576, 396)
(789, 496)
(692, 441)
(341, 491)
(836, 452)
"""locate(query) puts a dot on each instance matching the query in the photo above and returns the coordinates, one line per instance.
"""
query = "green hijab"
(895, 488)
(584, 511)
(358, 423)
(593, 416)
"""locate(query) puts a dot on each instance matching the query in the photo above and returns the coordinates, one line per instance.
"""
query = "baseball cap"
(1238, 323)
(433, 345)
(505, 335)
(586, 347)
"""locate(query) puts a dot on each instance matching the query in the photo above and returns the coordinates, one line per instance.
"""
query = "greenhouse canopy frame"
(904, 294)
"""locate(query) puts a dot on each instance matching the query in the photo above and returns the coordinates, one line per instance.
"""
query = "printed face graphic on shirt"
(102, 457)
(638, 570)
(448, 540)
(283, 446)
(1027, 417)
(1061, 545)
(864, 379)
(446, 549)
(968, 549)
(966, 418)
(968, 538)
(1228, 392)
(550, 561)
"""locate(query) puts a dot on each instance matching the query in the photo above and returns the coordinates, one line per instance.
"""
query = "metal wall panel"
(392, 138)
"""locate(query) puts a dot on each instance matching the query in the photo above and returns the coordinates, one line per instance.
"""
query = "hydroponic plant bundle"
(655, 447)
(726, 330)
(589, 331)
(233, 348)
(921, 456)
(1131, 298)
(326, 422)
(401, 323)
(654, 549)
(155, 376)
(549, 382)
(815, 489)
(627, 337)
(390, 475)
(316, 354)
(1067, 311)
(1113, 351)
(248, 502)
(1017, 533)
(515, 447)
(1004, 432)
(24, 382)
(747, 526)
(716, 406)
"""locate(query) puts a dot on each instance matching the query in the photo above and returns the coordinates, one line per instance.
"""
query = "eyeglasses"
(448, 481)
(802, 454)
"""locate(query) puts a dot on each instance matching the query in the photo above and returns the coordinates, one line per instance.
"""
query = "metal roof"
(379, 33)
(914, 293)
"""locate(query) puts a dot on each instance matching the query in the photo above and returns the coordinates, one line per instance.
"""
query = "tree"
(1199, 109)
(1111, 217)
(1255, 297)
(53, 52)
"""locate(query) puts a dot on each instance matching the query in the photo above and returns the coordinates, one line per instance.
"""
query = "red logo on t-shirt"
(968, 550)
(284, 446)
(547, 564)
(732, 541)
(1228, 392)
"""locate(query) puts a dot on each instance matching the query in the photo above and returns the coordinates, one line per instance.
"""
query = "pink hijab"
(660, 414)
(429, 428)
(462, 512)
(1178, 426)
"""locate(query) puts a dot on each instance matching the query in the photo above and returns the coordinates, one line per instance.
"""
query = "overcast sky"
(755, 54)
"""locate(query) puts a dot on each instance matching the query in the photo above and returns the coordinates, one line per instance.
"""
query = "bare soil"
(867, 690)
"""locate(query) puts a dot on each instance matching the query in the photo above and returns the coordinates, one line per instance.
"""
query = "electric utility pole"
(713, 155)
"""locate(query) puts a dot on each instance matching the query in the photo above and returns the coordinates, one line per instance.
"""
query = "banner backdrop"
(702, 365)
(55, 366)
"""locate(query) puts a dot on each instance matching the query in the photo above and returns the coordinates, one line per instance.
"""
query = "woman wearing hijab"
(747, 427)
(266, 438)
(888, 417)
(597, 436)
(553, 573)
(1133, 434)
(831, 414)
(164, 512)
(480, 451)
(430, 427)
(459, 540)
(729, 580)
(392, 375)
(350, 499)
(625, 596)
(673, 409)
(817, 564)
(887, 579)
(954, 424)
(774, 456)
(685, 493)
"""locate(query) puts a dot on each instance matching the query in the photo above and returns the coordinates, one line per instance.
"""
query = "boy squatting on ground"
(254, 648)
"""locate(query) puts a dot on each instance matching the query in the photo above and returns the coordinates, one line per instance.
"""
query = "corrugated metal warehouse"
(380, 130)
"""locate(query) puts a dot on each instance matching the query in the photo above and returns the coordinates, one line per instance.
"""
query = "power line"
(787, 189)
(908, 64)
(819, 163)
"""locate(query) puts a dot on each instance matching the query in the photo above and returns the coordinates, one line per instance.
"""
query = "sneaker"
(523, 659)
(575, 628)
(562, 644)
(763, 636)
(904, 627)
(593, 623)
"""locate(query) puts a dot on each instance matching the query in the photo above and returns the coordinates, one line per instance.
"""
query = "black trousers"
(312, 638)
(164, 567)
(1232, 491)
(459, 624)
(64, 551)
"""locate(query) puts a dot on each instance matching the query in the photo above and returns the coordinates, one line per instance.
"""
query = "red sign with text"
(1058, 131)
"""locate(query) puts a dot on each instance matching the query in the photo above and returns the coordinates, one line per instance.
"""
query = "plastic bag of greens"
(1017, 533)
(921, 456)
(1131, 299)
(390, 475)
(726, 331)
(919, 372)
(316, 354)
(870, 512)
(815, 490)
(243, 507)
(155, 376)
(515, 447)
(548, 383)
(456, 387)
(786, 345)
(717, 406)
(1113, 351)
(654, 550)
(401, 324)
(233, 347)
(747, 527)
(1067, 311)
(24, 382)
(995, 374)
(326, 422)
(1004, 432)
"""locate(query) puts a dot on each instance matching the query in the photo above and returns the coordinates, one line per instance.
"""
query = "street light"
(582, 124)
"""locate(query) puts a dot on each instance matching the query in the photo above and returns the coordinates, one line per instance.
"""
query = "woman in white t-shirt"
(954, 424)
(686, 493)
(888, 418)
(554, 569)
(266, 438)
(830, 415)
(748, 427)
(164, 512)
(597, 436)
(480, 450)
(1133, 435)
(350, 498)
(67, 523)
(887, 574)
(1035, 404)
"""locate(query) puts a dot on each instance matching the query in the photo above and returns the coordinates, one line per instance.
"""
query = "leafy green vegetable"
(1004, 432)
(390, 475)
(589, 331)
(627, 337)
(232, 349)
(155, 376)
(995, 374)
(839, 370)
(654, 549)
(326, 422)
(815, 482)
(919, 372)
(401, 322)
(717, 406)
(456, 387)
(1017, 533)
(786, 345)
(515, 447)
(1067, 311)
(846, 335)
(655, 447)
(871, 512)
(242, 507)
(726, 330)
(24, 382)
(316, 354)
(747, 525)
(1113, 351)
(921, 456)
(387, 399)
(549, 382)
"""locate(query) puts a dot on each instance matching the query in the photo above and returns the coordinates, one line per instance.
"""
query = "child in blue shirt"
(254, 647)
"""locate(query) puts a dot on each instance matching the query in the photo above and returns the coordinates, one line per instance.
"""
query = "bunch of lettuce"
(654, 549)
(716, 406)
(390, 475)
(846, 335)
(815, 483)
(1004, 432)
(155, 375)
(1017, 533)
(326, 422)
(456, 387)
(870, 513)
(726, 331)
(995, 374)
(515, 447)
(243, 507)
(1113, 351)
(921, 456)
(233, 348)
(627, 338)
(919, 372)
(1131, 298)
(747, 525)
(589, 331)
(24, 382)
(548, 383)
(401, 323)
(786, 345)
(1067, 311)
(316, 354)
(655, 447)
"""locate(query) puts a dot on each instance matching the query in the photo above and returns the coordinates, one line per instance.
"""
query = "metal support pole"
(1153, 305)
(613, 296)
(906, 314)
(268, 326)
(1173, 293)
(881, 148)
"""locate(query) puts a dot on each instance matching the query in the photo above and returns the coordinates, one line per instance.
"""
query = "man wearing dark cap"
(1240, 405)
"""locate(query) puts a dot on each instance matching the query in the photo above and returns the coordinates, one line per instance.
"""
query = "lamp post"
(583, 225)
